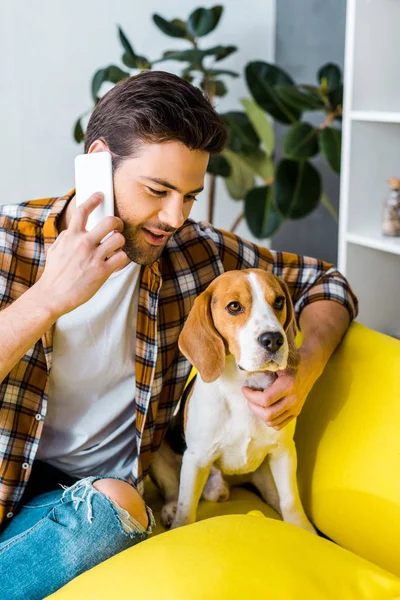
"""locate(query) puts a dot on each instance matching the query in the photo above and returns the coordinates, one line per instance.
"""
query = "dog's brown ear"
(200, 342)
(290, 328)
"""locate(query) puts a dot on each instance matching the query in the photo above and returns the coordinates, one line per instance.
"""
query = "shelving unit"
(370, 155)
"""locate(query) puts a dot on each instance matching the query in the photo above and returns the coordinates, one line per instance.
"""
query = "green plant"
(294, 189)
(291, 188)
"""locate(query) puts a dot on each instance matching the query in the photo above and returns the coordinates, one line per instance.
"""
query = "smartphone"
(93, 173)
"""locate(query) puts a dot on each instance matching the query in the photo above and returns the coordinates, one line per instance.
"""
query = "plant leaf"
(241, 135)
(218, 165)
(194, 57)
(241, 179)
(223, 51)
(78, 131)
(220, 88)
(260, 163)
(330, 142)
(217, 72)
(129, 57)
(260, 211)
(97, 82)
(175, 28)
(332, 75)
(298, 99)
(217, 12)
(336, 97)
(111, 73)
(301, 142)
(125, 42)
(114, 74)
(219, 52)
(261, 79)
(136, 62)
(261, 124)
(297, 188)
(204, 20)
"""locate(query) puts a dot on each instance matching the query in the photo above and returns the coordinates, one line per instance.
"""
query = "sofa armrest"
(348, 445)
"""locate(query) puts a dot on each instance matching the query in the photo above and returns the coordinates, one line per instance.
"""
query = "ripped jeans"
(58, 535)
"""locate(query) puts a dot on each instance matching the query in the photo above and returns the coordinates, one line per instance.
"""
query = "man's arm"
(324, 325)
(21, 325)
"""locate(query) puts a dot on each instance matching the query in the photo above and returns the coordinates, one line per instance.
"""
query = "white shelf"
(376, 241)
(370, 155)
(375, 48)
(375, 116)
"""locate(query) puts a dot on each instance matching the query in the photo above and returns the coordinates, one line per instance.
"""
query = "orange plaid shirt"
(193, 257)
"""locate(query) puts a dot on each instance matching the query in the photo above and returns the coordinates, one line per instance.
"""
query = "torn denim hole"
(129, 524)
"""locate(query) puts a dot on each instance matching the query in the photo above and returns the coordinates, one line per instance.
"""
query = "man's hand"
(78, 263)
(283, 401)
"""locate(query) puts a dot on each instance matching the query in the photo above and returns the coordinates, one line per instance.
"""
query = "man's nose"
(172, 212)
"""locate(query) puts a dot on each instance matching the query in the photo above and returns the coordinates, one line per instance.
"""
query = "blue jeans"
(58, 535)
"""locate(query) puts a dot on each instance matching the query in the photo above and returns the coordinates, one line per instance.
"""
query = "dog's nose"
(271, 340)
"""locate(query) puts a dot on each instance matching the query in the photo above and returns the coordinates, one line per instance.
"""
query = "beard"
(138, 250)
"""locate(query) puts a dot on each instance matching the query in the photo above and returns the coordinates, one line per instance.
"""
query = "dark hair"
(154, 107)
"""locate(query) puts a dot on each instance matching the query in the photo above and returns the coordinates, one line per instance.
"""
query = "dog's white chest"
(222, 429)
(244, 442)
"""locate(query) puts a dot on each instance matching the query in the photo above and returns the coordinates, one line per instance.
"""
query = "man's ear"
(290, 328)
(200, 342)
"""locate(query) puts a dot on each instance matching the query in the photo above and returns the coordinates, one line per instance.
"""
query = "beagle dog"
(240, 331)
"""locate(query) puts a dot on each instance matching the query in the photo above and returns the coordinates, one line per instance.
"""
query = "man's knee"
(125, 496)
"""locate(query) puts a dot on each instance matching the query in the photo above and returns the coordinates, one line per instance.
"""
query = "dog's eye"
(279, 302)
(234, 308)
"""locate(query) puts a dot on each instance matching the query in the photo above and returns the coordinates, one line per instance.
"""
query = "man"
(90, 368)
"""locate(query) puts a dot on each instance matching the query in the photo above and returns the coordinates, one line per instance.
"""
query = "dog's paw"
(216, 488)
(167, 514)
(308, 527)
(300, 520)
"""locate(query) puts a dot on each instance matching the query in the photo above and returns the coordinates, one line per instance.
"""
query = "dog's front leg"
(194, 475)
(283, 463)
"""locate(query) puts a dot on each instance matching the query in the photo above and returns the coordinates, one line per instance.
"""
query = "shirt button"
(9, 515)
(38, 417)
(25, 465)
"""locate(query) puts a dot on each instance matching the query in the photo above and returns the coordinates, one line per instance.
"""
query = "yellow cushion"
(234, 557)
(348, 446)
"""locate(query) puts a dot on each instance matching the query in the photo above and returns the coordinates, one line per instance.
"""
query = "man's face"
(154, 194)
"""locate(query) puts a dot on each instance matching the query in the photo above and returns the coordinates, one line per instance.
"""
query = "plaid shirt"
(193, 257)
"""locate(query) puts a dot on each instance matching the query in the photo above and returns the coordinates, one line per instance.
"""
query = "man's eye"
(157, 192)
(234, 308)
(279, 302)
(164, 192)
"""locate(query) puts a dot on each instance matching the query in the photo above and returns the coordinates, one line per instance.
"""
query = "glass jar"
(391, 209)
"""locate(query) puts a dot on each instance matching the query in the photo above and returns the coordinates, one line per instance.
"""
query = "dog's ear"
(290, 328)
(200, 342)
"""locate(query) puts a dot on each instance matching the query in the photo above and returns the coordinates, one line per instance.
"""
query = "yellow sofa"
(348, 442)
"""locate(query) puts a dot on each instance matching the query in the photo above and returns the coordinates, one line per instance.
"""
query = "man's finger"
(269, 396)
(277, 409)
(278, 420)
(80, 216)
(282, 425)
(266, 414)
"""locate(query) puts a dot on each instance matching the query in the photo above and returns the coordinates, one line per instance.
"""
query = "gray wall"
(310, 33)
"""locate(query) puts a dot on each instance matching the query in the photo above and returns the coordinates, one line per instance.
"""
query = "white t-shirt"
(90, 426)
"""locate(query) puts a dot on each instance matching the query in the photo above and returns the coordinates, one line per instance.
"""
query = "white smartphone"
(93, 173)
